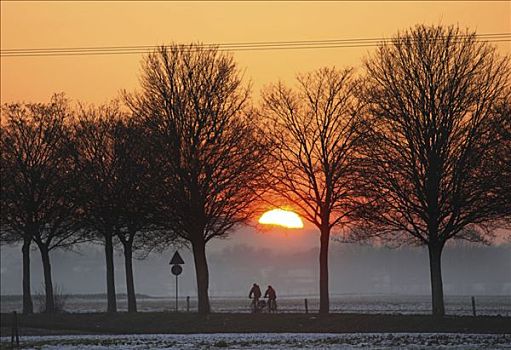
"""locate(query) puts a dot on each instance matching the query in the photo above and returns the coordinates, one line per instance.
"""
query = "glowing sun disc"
(281, 217)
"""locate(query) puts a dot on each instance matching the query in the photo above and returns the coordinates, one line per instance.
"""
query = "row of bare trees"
(414, 151)
(70, 176)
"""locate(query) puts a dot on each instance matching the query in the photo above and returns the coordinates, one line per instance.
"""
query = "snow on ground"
(270, 341)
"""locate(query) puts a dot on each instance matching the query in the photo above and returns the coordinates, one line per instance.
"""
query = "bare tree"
(502, 155)
(11, 230)
(137, 230)
(101, 195)
(206, 148)
(114, 159)
(431, 93)
(314, 131)
(38, 184)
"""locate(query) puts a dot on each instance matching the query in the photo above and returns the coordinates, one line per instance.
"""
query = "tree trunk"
(324, 300)
(28, 306)
(130, 284)
(437, 291)
(202, 273)
(110, 281)
(48, 284)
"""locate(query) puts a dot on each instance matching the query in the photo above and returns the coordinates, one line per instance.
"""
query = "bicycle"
(257, 306)
(272, 305)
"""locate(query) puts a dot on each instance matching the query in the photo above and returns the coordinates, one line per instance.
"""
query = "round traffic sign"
(176, 270)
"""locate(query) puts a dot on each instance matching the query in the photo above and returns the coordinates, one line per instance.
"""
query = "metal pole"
(14, 331)
(474, 306)
(176, 293)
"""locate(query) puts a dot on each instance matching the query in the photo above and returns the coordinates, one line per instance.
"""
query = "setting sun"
(281, 217)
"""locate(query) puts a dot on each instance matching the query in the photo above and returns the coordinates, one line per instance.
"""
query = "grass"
(189, 323)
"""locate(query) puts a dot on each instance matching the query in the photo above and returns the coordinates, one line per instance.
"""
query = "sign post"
(176, 270)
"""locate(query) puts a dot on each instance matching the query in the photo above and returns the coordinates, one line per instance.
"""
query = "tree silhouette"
(431, 93)
(137, 230)
(100, 190)
(205, 147)
(502, 155)
(117, 187)
(314, 132)
(39, 184)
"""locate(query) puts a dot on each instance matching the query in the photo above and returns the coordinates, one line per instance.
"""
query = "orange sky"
(99, 78)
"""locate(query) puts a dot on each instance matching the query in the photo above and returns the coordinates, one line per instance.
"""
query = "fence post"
(306, 306)
(474, 306)
(187, 304)
(14, 330)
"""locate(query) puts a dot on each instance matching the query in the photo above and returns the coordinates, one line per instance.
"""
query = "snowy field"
(374, 304)
(271, 341)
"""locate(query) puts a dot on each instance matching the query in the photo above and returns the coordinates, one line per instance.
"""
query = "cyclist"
(255, 294)
(272, 299)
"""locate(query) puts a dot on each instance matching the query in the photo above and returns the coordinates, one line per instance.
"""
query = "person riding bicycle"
(255, 294)
(272, 298)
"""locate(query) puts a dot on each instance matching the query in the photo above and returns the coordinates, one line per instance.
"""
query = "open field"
(486, 305)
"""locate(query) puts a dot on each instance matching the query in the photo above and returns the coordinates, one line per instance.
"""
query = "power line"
(240, 46)
(243, 44)
(236, 46)
(95, 53)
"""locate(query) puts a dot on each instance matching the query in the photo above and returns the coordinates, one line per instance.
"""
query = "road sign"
(176, 270)
(176, 259)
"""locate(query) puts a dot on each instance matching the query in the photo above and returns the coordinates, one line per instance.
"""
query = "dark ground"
(166, 322)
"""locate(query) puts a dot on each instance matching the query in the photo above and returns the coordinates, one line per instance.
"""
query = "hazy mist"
(287, 261)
